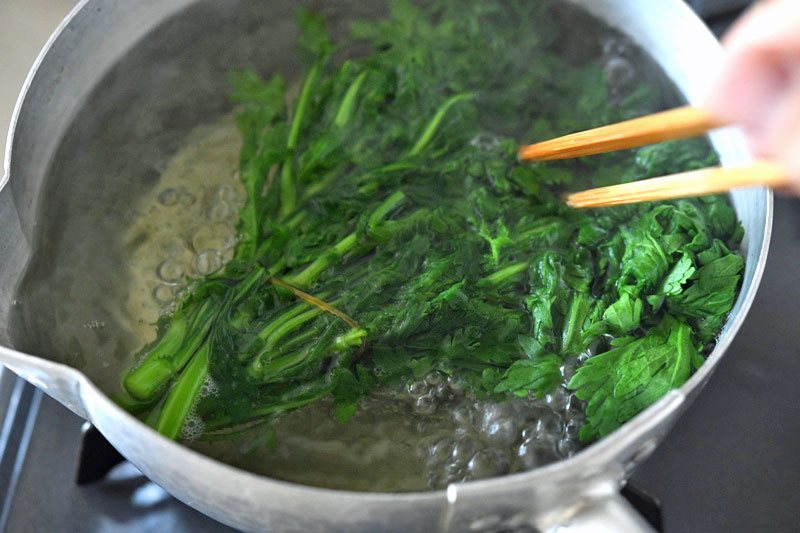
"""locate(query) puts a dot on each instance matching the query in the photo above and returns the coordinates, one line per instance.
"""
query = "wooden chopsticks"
(693, 183)
(673, 124)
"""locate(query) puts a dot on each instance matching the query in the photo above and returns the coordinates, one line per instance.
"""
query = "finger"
(759, 83)
(762, 50)
(770, 25)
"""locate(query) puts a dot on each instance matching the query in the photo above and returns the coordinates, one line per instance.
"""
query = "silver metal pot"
(113, 92)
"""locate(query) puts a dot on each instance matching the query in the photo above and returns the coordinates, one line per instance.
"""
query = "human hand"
(759, 84)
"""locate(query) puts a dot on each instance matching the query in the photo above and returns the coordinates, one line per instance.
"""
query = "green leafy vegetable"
(634, 374)
(389, 191)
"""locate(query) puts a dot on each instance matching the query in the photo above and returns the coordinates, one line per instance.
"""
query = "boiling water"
(186, 224)
(423, 436)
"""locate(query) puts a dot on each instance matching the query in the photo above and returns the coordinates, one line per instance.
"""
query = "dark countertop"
(731, 462)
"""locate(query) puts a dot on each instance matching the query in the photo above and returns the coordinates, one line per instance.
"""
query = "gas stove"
(729, 464)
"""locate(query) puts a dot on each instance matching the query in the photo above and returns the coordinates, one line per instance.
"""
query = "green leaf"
(540, 375)
(349, 390)
(644, 260)
(620, 383)
(314, 41)
(624, 315)
(678, 276)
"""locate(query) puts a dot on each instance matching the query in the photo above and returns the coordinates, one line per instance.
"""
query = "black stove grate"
(22, 406)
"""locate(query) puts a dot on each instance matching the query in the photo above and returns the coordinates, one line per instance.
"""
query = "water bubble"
(502, 433)
(163, 293)
(528, 432)
(169, 197)
(567, 447)
(226, 193)
(435, 480)
(440, 451)
(613, 46)
(463, 451)
(499, 424)
(95, 324)
(572, 428)
(485, 141)
(417, 389)
(488, 463)
(569, 368)
(423, 449)
(453, 473)
(175, 249)
(170, 271)
(219, 211)
(426, 405)
(556, 400)
(207, 262)
(441, 391)
(454, 382)
(463, 431)
(575, 408)
(619, 74)
(187, 199)
(461, 416)
(549, 424)
(434, 378)
(213, 237)
(534, 452)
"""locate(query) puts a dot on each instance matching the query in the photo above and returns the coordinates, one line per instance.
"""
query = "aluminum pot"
(111, 96)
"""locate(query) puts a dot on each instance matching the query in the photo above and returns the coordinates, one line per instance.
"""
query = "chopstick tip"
(568, 198)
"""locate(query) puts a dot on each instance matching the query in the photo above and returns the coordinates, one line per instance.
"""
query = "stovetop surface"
(730, 464)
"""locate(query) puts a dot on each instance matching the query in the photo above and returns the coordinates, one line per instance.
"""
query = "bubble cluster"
(193, 427)
(488, 439)
(211, 229)
(209, 387)
(217, 237)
